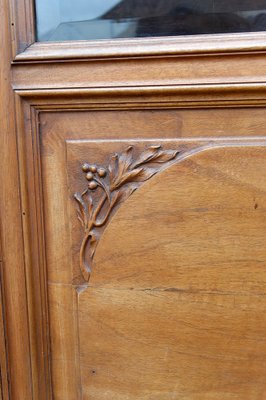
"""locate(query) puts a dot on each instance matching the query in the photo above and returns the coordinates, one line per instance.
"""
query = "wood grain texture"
(35, 262)
(12, 273)
(175, 307)
(119, 127)
(91, 127)
(167, 71)
(184, 122)
(144, 47)
(4, 385)
(64, 342)
(126, 172)
(176, 302)
(21, 24)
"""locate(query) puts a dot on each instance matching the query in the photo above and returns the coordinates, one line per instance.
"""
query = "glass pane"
(104, 19)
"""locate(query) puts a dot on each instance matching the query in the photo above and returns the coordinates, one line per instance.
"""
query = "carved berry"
(86, 167)
(101, 172)
(93, 168)
(93, 185)
(89, 176)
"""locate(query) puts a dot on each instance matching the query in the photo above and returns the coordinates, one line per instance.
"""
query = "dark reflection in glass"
(104, 19)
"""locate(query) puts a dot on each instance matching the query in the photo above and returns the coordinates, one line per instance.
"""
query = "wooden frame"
(145, 47)
(76, 83)
(33, 104)
(15, 361)
(25, 48)
(22, 25)
(4, 390)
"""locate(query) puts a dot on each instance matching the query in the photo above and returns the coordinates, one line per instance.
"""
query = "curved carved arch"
(109, 186)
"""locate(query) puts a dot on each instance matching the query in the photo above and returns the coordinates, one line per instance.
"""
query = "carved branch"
(107, 188)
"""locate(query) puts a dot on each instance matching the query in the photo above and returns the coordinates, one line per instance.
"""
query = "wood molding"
(164, 72)
(35, 267)
(145, 47)
(21, 25)
(166, 69)
(13, 272)
(152, 97)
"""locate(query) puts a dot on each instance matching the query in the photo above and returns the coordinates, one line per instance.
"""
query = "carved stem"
(102, 185)
(84, 265)
(125, 176)
(103, 221)
(98, 209)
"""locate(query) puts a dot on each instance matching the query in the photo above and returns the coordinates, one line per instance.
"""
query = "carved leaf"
(155, 154)
(119, 168)
(113, 166)
(87, 251)
(85, 209)
(90, 205)
(146, 174)
(146, 156)
(125, 160)
(122, 194)
(126, 192)
(125, 176)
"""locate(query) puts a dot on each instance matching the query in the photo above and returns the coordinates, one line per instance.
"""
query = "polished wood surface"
(168, 72)
(173, 305)
(17, 381)
(225, 173)
(4, 390)
(164, 46)
(67, 139)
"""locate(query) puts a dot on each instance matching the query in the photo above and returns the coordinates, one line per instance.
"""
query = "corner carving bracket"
(108, 187)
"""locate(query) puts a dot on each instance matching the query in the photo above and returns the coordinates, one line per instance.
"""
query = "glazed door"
(135, 218)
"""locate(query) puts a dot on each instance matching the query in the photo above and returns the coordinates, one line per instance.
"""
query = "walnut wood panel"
(208, 235)
(174, 307)
(176, 301)
(68, 138)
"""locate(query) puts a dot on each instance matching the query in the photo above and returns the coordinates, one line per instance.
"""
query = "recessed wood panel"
(176, 301)
(174, 306)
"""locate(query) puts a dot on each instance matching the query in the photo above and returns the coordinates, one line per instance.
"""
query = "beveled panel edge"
(144, 47)
(31, 198)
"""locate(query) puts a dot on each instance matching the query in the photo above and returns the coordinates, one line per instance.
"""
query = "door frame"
(27, 69)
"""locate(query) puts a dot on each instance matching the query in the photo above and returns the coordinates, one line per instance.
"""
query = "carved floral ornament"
(108, 187)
